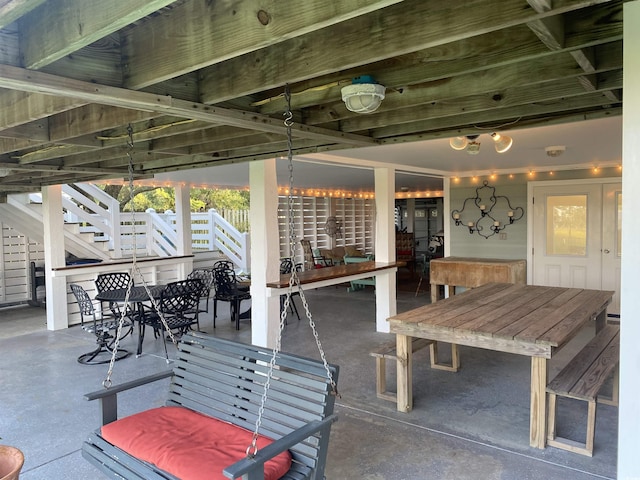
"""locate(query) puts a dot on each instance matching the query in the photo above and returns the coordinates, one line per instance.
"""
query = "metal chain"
(135, 269)
(252, 449)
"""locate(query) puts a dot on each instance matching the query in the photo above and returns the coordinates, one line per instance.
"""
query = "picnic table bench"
(582, 378)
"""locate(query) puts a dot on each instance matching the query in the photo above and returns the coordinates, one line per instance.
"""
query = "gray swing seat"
(225, 380)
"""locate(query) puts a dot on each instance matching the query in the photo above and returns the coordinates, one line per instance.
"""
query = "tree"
(163, 198)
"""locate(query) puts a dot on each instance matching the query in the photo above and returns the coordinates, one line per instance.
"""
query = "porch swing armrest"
(109, 396)
(248, 468)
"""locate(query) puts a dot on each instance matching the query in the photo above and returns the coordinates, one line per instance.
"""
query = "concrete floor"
(467, 425)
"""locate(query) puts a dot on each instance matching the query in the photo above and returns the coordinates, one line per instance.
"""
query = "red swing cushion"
(188, 444)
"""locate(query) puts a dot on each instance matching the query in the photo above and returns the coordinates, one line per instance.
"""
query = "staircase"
(95, 228)
(26, 217)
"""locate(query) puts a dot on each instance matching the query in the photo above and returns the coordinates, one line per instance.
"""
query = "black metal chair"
(286, 266)
(104, 330)
(227, 290)
(178, 306)
(112, 281)
(205, 275)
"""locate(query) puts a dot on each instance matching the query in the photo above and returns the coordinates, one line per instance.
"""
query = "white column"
(411, 215)
(54, 256)
(629, 413)
(265, 251)
(446, 207)
(385, 245)
(183, 226)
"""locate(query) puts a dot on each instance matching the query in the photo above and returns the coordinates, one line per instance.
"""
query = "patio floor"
(466, 425)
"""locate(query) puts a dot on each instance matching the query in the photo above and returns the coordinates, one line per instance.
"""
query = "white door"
(612, 242)
(576, 237)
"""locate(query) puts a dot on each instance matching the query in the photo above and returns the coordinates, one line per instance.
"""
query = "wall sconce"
(489, 208)
(502, 143)
(364, 95)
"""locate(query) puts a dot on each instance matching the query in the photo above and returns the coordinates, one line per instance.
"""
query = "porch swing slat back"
(225, 380)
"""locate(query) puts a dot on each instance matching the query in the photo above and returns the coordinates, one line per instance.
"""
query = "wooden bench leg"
(551, 420)
(564, 443)
(381, 377)
(613, 399)
(454, 366)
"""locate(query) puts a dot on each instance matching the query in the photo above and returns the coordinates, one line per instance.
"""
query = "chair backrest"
(224, 281)
(224, 264)
(181, 297)
(309, 264)
(286, 265)
(84, 302)
(205, 275)
(112, 281)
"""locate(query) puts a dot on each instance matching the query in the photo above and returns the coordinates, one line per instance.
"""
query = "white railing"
(155, 233)
(84, 202)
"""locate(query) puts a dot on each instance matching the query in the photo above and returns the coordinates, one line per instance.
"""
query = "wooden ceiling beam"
(62, 169)
(30, 81)
(197, 34)
(507, 98)
(17, 108)
(12, 10)
(498, 117)
(525, 74)
(363, 40)
(56, 29)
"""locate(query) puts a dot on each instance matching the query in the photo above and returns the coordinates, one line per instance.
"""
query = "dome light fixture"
(364, 95)
(472, 146)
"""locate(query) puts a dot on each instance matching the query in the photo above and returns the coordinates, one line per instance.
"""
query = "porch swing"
(220, 392)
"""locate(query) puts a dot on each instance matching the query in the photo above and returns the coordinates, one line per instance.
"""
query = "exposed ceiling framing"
(201, 82)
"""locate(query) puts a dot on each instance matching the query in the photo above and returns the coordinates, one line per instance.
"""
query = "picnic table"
(530, 320)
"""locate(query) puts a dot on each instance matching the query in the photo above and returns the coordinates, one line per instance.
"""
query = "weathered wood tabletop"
(335, 272)
(523, 319)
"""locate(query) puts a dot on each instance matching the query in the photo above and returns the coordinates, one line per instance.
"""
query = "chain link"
(135, 269)
(294, 280)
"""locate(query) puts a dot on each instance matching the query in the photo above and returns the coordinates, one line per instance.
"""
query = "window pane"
(567, 225)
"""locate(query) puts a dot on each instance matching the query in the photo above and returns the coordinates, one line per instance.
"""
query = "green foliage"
(205, 199)
(163, 198)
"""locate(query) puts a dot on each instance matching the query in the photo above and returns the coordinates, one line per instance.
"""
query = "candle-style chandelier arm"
(489, 211)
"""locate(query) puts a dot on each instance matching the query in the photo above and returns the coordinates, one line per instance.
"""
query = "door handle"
(606, 250)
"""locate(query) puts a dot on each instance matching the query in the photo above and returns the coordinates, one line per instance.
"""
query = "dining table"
(140, 296)
(531, 320)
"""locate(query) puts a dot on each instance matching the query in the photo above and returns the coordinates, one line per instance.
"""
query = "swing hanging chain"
(252, 449)
(135, 270)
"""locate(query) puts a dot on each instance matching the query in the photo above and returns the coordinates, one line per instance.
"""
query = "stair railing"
(98, 211)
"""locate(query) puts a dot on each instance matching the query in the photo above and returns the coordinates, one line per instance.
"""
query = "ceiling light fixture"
(364, 95)
(555, 151)
(502, 143)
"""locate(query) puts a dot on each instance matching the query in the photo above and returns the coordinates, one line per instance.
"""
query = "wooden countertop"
(337, 271)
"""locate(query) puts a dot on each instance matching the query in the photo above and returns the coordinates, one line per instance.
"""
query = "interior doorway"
(576, 235)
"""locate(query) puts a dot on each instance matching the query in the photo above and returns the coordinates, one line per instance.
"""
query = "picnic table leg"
(538, 419)
(404, 379)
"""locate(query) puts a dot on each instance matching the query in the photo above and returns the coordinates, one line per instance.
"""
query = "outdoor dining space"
(121, 307)
(463, 425)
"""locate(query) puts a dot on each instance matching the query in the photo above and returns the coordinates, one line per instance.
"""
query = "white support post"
(54, 256)
(183, 224)
(385, 246)
(265, 252)
(629, 415)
